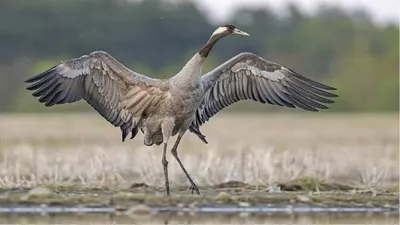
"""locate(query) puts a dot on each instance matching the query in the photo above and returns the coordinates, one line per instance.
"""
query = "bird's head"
(226, 30)
(219, 33)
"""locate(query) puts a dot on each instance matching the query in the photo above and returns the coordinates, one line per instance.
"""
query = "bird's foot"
(194, 188)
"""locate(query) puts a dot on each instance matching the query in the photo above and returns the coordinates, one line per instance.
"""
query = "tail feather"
(125, 129)
(131, 127)
(135, 131)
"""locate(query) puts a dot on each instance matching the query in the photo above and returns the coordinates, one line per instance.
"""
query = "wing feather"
(279, 93)
(239, 87)
(272, 93)
(249, 77)
(245, 86)
(103, 82)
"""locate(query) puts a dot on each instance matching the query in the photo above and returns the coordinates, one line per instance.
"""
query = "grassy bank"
(339, 159)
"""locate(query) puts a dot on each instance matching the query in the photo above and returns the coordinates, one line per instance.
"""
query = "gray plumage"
(247, 76)
(164, 108)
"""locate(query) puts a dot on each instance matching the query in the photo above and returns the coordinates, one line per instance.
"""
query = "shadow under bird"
(164, 108)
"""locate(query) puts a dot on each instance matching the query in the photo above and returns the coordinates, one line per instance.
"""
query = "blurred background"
(352, 45)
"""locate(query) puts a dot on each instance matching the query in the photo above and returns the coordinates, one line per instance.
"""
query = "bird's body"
(184, 93)
(179, 108)
(164, 108)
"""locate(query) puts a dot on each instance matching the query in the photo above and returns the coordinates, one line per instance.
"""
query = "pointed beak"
(237, 31)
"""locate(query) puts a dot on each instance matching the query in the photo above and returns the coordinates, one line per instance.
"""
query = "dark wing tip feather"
(303, 92)
(40, 76)
(195, 129)
(125, 130)
(201, 137)
(52, 88)
(334, 95)
(135, 131)
(313, 82)
(331, 88)
(312, 86)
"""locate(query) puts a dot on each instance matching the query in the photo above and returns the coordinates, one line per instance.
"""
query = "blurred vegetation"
(344, 49)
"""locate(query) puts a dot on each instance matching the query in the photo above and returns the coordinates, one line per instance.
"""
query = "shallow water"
(222, 209)
(202, 215)
(309, 218)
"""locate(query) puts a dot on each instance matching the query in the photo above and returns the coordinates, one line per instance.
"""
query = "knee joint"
(164, 161)
(174, 152)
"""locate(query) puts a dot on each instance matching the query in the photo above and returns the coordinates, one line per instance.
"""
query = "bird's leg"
(165, 167)
(166, 127)
(174, 152)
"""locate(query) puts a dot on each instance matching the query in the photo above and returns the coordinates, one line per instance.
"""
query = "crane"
(161, 108)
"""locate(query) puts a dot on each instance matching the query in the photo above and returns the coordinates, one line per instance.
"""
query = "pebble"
(303, 198)
(244, 204)
(224, 196)
(138, 209)
(40, 191)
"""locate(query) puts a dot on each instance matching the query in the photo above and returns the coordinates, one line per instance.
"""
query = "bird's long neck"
(205, 50)
(190, 74)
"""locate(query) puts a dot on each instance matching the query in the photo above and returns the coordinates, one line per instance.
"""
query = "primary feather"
(117, 93)
(249, 77)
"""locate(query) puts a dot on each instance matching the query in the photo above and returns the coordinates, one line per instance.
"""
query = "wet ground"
(144, 199)
(303, 201)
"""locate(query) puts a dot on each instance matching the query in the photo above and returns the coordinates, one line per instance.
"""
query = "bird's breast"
(184, 103)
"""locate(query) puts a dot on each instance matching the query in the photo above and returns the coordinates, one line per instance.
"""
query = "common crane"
(164, 108)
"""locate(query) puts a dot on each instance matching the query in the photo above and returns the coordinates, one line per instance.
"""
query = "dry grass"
(82, 149)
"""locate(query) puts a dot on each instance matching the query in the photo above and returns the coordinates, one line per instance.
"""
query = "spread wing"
(119, 94)
(247, 76)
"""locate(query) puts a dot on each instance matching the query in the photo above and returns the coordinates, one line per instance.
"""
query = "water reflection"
(319, 218)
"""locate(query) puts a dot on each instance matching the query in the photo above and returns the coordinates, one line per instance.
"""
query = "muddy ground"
(141, 197)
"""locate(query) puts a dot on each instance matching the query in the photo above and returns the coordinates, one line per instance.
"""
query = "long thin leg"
(174, 152)
(166, 127)
(165, 166)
